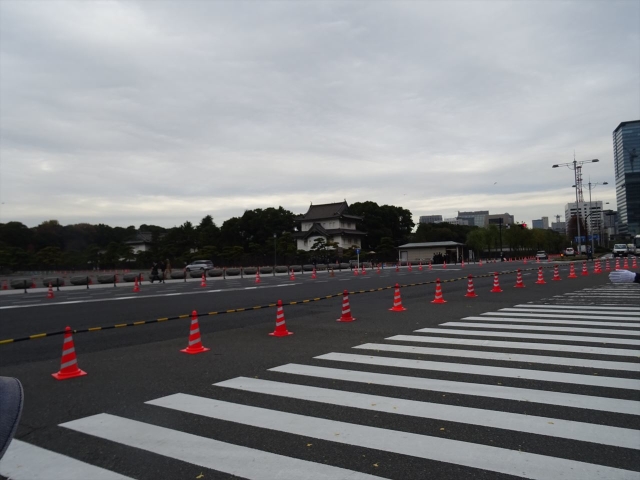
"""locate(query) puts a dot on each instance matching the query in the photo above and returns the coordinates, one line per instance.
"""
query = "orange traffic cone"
(397, 301)
(626, 263)
(525, 261)
(356, 271)
(471, 293)
(195, 344)
(50, 292)
(292, 276)
(572, 272)
(397, 267)
(496, 284)
(429, 265)
(346, 309)
(281, 327)
(378, 270)
(519, 282)
(444, 265)
(607, 266)
(617, 264)
(258, 276)
(480, 263)
(634, 263)
(438, 298)
(364, 271)
(409, 266)
(4, 285)
(420, 266)
(596, 267)
(203, 282)
(313, 274)
(540, 280)
(584, 269)
(68, 363)
(556, 273)
(136, 287)
(462, 263)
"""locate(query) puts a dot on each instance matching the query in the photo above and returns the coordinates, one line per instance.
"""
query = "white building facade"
(331, 222)
(590, 214)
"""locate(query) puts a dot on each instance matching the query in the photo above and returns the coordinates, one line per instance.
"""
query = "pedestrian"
(162, 267)
(154, 272)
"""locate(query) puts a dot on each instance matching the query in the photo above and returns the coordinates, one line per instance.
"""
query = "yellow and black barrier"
(257, 307)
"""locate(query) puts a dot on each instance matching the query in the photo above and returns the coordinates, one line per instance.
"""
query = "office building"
(591, 215)
(494, 219)
(431, 219)
(455, 221)
(541, 223)
(473, 218)
(626, 159)
(560, 227)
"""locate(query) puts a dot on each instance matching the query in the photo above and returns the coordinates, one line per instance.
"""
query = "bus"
(635, 245)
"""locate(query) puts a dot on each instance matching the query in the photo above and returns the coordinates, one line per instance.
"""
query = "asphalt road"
(477, 410)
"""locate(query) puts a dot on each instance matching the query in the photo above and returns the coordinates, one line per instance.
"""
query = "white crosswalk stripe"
(483, 377)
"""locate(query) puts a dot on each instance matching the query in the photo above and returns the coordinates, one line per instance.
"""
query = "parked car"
(199, 265)
(542, 255)
(569, 252)
(620, 250)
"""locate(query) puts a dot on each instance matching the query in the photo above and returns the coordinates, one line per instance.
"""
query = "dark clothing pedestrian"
(154, 272)
(162, 267)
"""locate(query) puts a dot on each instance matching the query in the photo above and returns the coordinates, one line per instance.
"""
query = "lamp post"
(575, 165)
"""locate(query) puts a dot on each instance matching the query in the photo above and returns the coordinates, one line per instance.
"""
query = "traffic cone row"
(540, 277)
(634, 263)
(626, 263)
(572, 271)
(585, 272)
(617, 264)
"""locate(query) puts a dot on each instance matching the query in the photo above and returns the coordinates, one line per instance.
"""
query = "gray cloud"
(160, 112)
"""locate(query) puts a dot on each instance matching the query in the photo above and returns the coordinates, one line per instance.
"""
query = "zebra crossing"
(542, 391)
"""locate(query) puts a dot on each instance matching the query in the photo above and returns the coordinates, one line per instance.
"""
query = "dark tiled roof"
(431, 244)
(328, 210)
(316, 228)
(141, 237)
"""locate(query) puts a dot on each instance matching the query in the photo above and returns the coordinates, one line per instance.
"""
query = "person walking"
(154, 272)
(162, 267)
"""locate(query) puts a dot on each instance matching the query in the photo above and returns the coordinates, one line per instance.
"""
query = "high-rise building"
(591, 215)
(431, 219)
(495, 219)
(626, 159)
(474, 218)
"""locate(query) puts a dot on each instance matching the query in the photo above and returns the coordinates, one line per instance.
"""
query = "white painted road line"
(631, 324)
(555, 315)
(554, 347)
(544, 328)
(510, 462)
(586, 432)
(208, 453)
(581, 307)
(464, 388)
(539, 375)
(574, 309)
(23, 461)
(506, 357)
(566, 338)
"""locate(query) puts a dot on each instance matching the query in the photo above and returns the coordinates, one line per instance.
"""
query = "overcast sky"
(159, 112)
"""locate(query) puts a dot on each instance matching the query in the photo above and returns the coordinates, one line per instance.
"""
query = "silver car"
(199, 265)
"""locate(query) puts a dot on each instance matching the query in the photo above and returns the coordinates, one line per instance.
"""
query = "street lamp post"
(574, 166)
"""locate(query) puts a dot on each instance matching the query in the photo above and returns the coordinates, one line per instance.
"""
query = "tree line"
(258, 237)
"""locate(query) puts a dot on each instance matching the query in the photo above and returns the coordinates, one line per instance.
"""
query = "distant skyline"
(132, 112)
